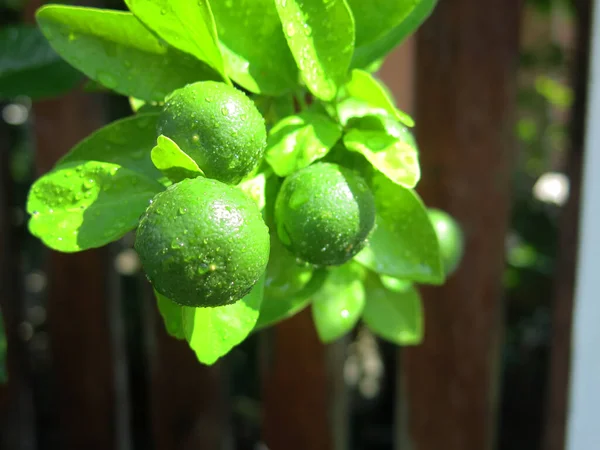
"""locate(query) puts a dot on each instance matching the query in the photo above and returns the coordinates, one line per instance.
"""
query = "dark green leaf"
(3, 348)
(187, 25)
(29, 66)
(126, 142)
(320, 34)
(396, 316)
(213, 332)
(296, 141)
(404, 243)
(375, 18)
(365, 55)
(364, 87)
(256, 53)
(172, 315)
(396, 159)
(275, 309)
(115, 49)
(338, 305)
(87, 204)
(174, 162)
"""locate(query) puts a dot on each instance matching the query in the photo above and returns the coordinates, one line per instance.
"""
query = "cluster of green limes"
(203, 242)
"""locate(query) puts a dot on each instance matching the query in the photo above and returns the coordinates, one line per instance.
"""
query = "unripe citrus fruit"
(218, 126)
(324, 213)
(202, 243)
(450, 238)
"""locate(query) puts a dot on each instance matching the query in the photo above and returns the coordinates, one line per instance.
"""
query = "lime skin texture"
(202, 243)
(218, 126)
(450, 238)
(324, 214)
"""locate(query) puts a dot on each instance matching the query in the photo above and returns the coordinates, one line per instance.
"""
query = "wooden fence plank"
(188, 409)
(465, 98)
(560, 357)
(296, 391)
(77, 297)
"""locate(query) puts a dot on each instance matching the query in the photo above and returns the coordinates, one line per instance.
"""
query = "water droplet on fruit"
(163, 12)
(195, 138)
(88, 184)
(182, 211)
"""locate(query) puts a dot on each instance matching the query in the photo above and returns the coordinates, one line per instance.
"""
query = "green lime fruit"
(450, 238)
(202, 243)
(324, 213)
(218, 126)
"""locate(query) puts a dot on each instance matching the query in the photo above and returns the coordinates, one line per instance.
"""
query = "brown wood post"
(296, 392)
(188, 408)
(465, 99)
(560, 356)
(77, 301)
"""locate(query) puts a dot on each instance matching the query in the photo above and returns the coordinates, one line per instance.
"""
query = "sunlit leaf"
(320, 34)
(173, 162)
(83, 205)
(213, 332)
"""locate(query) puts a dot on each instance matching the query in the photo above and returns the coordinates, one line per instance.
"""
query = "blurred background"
(498, 90)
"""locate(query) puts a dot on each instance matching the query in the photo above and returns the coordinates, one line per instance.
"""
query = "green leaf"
(386, 124)
(364, 87)
(255, 188)
(173, 162)
(213, 332)
(3, 352)
(29, 66)
(87, 204)
(254, 48)
(365, 55)
(375, 18)
(351, 107)
(126, 142)
(187, 25)
(276, 309)
(397, 160)
(338, 305)
(142, 106)
(172, 315)
(396, 316)
(394, 284)
(404, 244)
(296, 141)
(320, 34)
(285, 275)
(115, 49)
